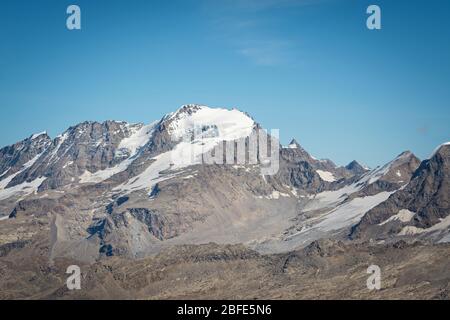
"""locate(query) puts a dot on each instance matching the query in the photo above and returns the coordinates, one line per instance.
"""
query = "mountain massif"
(134, 198)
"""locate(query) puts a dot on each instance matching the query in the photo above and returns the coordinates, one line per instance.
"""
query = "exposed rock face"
(426, 198)
(300, 170)
(323, 270)
(98, 189)
(13, 158)
(295, 153)
(113, 188)
(87, 147)
(297, 171)
(356, 168)
(105, 194)
(401, 169)
(392, 176)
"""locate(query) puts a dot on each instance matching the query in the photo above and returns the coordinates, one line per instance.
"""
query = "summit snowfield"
(120, 189)
(76, 152)
(226, 124)
(196, 130)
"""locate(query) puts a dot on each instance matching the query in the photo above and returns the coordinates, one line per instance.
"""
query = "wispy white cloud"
(243, 24)
(267, 52)
(256, 5)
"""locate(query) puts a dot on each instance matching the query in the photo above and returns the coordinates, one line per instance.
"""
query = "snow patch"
(102, 175)
(294, 192)
(411, 230)
(5, 182)
(403, 215)
(326, 176)
(31, 162)
(379, 172)
(68, 164)
(445, 239)
(343, 216)
(37, 135)
(351, 212)
(132, 144)
(139, 138)
(25, 188)
(1, 175)
(328, 199)
(61, 139)
(276, 195)
(151, 176)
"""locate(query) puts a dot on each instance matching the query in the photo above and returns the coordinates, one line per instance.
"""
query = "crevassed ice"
(231, 124)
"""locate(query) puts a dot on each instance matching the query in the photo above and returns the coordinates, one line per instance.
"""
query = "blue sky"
(310, 68)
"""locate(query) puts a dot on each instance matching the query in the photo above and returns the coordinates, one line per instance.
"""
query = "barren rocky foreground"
(323, 270)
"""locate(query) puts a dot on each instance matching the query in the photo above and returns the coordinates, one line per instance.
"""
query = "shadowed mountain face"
(22, 154)
(87, 147)
(392, 176)
(356, 168)
(421, 208)
(113, 189)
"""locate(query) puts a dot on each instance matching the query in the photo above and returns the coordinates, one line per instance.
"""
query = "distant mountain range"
(116, 189)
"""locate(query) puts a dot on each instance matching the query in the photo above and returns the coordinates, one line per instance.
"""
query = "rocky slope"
(133, 190)
(115, 188)
(322, 270)
(420, 210)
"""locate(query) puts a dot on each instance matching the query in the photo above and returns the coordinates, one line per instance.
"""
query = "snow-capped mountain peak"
(185, 110)
(356, 167)
(196, 119)
(293, 144)
(439, 148)
(136, 186)
(37, 135)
